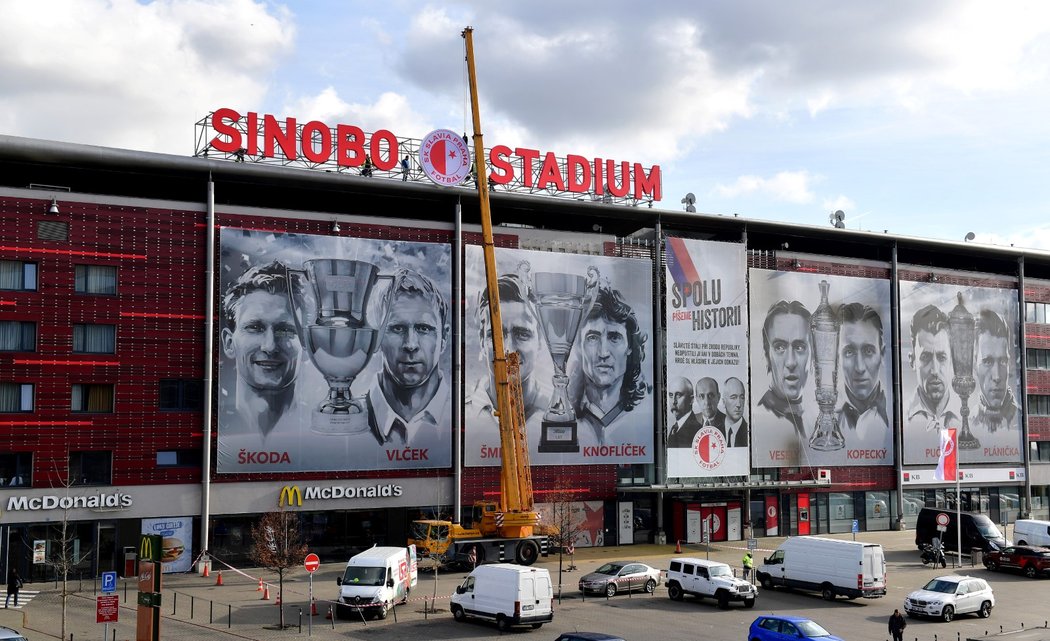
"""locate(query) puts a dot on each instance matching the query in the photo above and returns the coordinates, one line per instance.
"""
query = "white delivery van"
(1032, 532)
(376, 580)
(507, 594)
(829, 566)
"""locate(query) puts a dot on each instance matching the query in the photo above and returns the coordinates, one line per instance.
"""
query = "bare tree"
(564, 527)
(277, 545)
(63, 557)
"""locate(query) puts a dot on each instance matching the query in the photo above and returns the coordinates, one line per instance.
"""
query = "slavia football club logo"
(444, 157)
(709, 447)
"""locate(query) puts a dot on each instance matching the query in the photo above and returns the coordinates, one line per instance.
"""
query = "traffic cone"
(218, 578)
(678, 547)
(313, 608)
(207, 569)
(278, 601)
(266, 593)
(260, 588)
(328, 616)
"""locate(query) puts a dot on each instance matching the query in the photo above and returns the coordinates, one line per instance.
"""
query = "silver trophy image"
(824, 327)
(564, 300)
(338, 336)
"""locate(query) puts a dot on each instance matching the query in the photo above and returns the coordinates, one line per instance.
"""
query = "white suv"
(946, 596)
(708, 578)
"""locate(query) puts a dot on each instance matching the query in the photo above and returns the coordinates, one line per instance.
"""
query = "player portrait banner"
(821, 392)
(582, 327)
(707, 409)
(960, 368)
(335, 353)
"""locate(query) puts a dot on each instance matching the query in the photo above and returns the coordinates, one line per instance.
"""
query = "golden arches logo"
(290, 495)
(146, 548)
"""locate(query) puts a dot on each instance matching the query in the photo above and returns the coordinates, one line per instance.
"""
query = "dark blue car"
(781, 628)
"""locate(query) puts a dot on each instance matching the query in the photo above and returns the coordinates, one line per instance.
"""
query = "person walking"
(897, 625)
(749, 566)
(14, 584)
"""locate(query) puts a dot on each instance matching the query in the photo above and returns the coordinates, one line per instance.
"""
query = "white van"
(1032, 532)
(376, 580)
(507, 594)
(829, 566)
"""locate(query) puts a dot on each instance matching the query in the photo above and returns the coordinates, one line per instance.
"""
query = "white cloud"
(390, 111)
(788, 186)
(1033, 238)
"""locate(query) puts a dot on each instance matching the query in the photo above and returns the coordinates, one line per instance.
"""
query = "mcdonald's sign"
(150, 548)
(290, 495)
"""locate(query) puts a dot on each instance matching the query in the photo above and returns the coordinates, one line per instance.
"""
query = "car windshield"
(937, 585)
(811, 629)
(610, 568)
(721, 570)
(360, 575)
(987, 528)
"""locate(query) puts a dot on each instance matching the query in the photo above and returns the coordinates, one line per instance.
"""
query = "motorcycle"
(933, 555)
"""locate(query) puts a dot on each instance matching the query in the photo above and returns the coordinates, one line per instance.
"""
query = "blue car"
(779, 628)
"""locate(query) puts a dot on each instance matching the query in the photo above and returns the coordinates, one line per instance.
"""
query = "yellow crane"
(508, 529)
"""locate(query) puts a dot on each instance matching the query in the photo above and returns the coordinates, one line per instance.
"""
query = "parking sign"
(109, 582)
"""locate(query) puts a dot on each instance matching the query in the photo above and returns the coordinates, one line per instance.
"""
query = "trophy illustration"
(824, 326)
(563, 300)
(962, 332)
(338, 336)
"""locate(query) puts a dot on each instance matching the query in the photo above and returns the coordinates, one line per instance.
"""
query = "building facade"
(171, 334)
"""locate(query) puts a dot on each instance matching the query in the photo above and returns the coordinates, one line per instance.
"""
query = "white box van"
(1032, 532)
(507, 594)
(376, 580)
(829, 566)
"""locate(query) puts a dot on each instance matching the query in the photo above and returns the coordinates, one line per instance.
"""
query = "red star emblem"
(452, 154)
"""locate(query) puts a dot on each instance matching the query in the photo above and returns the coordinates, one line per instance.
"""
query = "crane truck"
(508, 529)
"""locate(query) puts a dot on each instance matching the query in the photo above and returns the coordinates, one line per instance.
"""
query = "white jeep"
(708, 578)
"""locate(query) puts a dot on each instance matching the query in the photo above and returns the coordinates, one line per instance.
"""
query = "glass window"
(94, 339)
(96, 279)
(89, 397)
(877, 510)
(16, 469)
(179, 458)
(17, 336)
(16, 397)
(1037, 358)
(17, 275)
(90, 468)
(840, 509)
(1040, 451)
(181, 394)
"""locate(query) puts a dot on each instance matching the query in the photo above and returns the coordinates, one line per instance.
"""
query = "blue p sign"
(109, 581)
(856, 526)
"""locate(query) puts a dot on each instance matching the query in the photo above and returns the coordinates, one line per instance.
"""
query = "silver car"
(621, 576)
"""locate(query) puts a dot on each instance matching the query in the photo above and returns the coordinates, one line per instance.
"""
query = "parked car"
(778, 628)
(713, 579)
(588, 636)
(1031, 560)
(1032, 532)
(621, 576)
(946, 596)
(10, 634)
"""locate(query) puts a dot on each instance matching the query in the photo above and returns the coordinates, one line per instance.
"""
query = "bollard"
(332, 618)
(211, 612)
(174, 602)
(192, 601)
(300, 620)
(229, 616)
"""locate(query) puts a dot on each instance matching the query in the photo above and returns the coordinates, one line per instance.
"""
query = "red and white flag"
(947, 467)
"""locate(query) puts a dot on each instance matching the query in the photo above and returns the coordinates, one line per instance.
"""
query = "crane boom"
(516, 499)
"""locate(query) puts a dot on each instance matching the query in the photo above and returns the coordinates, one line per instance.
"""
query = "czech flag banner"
(947, 467)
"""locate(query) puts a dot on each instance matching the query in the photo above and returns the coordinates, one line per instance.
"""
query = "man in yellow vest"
(749, 565)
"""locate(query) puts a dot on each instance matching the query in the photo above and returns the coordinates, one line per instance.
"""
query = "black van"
(978, 531)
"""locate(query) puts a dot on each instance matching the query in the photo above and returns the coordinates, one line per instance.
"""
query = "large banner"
(176, 538)
(581, 326)
(335, 353)
(820, 370)
(945, 331)
(707, 409)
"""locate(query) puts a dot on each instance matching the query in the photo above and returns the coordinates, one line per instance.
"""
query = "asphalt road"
(1018, 600)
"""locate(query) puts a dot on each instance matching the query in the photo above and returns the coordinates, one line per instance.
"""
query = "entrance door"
(107, 548)
(715, 522)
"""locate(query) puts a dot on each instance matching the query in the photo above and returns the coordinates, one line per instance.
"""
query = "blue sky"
(922, 118)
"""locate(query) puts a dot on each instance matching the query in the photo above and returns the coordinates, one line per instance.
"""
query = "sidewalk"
(194, 605)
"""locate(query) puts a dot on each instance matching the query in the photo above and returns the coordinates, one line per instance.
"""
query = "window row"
(91, 467)
(173, 394)
(19, 275)
(1038, 405)
(1036, 312)
(20, 336)
(1037, 358)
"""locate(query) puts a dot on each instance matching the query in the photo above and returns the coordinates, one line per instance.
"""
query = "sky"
(926, 119)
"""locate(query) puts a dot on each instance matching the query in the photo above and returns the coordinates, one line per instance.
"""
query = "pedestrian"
(897, 625)
(749, 565)
(366, 170)
(404, 169)
(14, 584)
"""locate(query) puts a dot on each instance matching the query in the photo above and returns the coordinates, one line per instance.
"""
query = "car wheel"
(650, 586)
(991, 565)
(766, 582)
(610, 589)
(986, 610)
(458, 614)
(1030, 572)
(828, 593)
(948, 613)
(536, 626)
(527, 552)
(675, 592)
(749, 603)
(723, 599)
(1022, 542)
(502, 623)
(382, 611)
